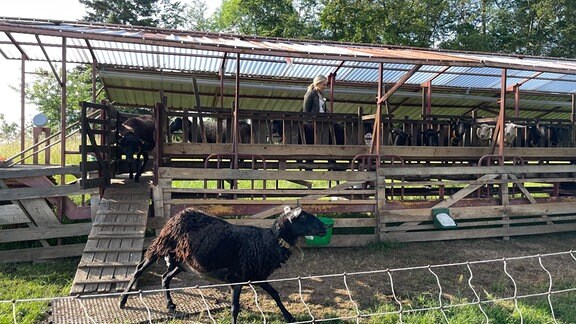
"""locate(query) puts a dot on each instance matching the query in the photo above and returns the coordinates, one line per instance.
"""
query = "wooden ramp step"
(116, 241)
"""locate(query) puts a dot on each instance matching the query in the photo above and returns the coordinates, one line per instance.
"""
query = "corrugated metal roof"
(135, 63)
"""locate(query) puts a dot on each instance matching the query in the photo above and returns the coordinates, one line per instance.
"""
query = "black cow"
(137, 138)
(211, 129)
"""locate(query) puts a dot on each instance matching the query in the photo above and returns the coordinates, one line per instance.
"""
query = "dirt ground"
(332, 277)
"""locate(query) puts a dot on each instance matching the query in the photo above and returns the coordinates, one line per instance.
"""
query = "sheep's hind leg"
(140, 268)
(235, 308)
(173, 270)
(274, 294)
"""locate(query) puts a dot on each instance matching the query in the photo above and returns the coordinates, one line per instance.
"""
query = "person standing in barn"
(315, 102)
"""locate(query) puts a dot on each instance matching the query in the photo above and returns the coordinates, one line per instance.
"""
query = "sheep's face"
(303, 223)
(484, 132)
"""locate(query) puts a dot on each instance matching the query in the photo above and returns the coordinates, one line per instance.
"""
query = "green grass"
(30, 281)
(54, 279)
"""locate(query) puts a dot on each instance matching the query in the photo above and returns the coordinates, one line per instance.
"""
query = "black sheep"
(137, 138)
(430, 137)
(198, 243)
(211, 129)
(400, 137)
(458, 129)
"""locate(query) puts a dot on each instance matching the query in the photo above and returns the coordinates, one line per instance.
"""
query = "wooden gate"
(99, 125)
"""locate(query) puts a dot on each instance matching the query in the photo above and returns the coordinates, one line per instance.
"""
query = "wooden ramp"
(116, 240)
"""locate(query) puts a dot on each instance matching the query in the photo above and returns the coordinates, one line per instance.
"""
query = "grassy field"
(26, 281)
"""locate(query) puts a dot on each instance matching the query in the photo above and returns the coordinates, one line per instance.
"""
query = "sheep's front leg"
(235, 308)
(140, 168)
(140, 268)
(274, 294)
(137, 168)
(131, 163)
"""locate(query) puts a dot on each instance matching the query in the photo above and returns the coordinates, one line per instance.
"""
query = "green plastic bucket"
(314, 240)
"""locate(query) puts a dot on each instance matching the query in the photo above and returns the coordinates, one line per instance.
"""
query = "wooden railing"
(32, 216)
(485, 201)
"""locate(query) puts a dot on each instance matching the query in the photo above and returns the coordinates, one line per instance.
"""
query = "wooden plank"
(224, 174)
(279, 209)
(39, 211)
(12, 214)
(44, 232)
(158, 222)
(43, 192)
(26, 171)
(475, 233)
(101, 281)
(289, 202)
(416, 226)
(420, 170)
(438, 153)
(450, 182)
(43, 253)
(523, 189)
(277, 192)
(463, 193)
(346, 185)
(107, 264)
(122, 212)
(424, 214)
(118, 235)
(270, 212)
(105, 224)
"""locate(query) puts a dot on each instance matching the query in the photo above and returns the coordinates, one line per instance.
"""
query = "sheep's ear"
(287, 210)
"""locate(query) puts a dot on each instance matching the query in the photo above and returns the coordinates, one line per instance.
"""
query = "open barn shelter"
(411, 136)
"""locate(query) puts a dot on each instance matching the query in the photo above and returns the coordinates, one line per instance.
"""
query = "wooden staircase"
(116, 241)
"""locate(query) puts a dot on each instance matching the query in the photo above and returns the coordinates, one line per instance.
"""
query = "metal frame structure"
(138, 66)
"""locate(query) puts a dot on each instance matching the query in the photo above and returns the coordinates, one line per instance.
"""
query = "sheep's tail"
(170, 237)
(162, 246)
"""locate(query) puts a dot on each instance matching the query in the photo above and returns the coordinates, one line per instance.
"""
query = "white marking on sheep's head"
(291, 214)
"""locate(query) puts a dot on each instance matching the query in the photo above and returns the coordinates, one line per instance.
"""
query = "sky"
(70, 10)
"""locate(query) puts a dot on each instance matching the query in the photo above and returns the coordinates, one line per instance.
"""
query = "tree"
(46, 94)
(196, 18)
(258, 17)
(124, 12)
(170, 14)
(9, 131)
(353, 21)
